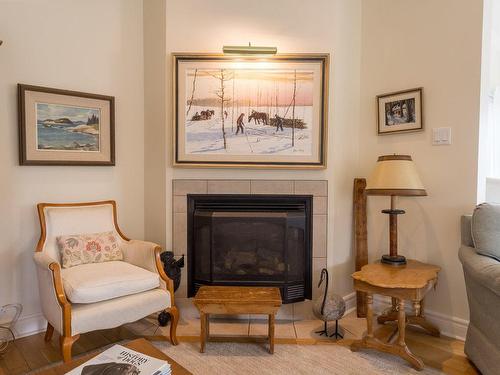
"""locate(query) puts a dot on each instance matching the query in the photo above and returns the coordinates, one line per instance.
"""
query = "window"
(489, 136)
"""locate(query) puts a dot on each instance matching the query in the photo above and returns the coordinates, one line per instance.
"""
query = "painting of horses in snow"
(251, 112)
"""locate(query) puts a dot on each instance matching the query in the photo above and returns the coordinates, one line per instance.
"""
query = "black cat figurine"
(172, 268)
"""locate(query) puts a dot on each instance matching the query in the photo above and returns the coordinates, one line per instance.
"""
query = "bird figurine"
(329, 307)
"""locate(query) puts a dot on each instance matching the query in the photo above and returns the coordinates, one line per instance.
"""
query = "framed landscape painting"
(400, 112)
(250, 111)
(61, 127)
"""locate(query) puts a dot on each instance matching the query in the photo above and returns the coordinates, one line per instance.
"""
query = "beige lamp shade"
(395, 175)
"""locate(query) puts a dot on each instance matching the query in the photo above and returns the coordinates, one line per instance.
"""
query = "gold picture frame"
(249, 111)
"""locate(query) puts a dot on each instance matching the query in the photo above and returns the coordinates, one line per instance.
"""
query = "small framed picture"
(400, 112)
(61, 127)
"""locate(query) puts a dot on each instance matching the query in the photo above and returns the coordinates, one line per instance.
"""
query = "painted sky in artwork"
(55, 111)
(263, 86)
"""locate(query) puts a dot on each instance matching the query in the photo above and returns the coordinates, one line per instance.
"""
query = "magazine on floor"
(121, 360)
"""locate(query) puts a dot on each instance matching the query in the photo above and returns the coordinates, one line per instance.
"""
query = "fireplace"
(251, 240)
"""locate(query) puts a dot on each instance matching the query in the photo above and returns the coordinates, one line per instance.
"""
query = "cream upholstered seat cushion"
(115, 312)
(94, 282)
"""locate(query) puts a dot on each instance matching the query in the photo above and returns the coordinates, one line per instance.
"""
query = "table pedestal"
(404, 283)
(369, 341)
(391, 315)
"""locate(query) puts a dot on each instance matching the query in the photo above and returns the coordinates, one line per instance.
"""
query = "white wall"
(155, 122)
(327, 26)
(86, 45)
(437, 45)
(391, 44)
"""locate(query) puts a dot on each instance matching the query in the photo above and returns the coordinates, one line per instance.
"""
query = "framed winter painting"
(400, 112)
(250, 111)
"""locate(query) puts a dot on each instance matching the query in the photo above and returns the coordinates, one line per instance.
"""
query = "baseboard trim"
(35, 323)
(28, 325)
(350, 303)
(450, 326)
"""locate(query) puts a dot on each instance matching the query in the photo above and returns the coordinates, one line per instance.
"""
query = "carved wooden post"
(360, 237)
(401, 322)
(369, 315)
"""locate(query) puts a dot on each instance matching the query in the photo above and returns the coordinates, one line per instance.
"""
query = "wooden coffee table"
(139, 345)
(236, 300)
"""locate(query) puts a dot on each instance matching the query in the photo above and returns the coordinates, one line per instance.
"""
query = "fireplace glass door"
(234, 242)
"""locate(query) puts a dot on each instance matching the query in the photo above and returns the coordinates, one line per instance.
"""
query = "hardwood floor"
(443, 353)
(30, 353)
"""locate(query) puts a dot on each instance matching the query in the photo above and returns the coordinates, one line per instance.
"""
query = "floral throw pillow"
(89, 248)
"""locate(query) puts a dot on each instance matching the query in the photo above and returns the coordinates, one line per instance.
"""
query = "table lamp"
(394, 175)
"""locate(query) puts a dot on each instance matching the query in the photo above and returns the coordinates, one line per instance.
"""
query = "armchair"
(97, 296)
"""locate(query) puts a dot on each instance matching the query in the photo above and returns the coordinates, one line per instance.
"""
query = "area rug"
(249, 359)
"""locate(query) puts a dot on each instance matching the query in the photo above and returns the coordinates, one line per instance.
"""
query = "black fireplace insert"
(252, 240)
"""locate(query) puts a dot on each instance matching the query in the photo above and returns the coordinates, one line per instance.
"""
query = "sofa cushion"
(94, 282)
(117, 311)
(486, 230)
(79, 249)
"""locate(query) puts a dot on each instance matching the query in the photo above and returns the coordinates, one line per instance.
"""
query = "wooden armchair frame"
(66, 339)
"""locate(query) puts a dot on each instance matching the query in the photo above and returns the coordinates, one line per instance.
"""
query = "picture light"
(249, 50)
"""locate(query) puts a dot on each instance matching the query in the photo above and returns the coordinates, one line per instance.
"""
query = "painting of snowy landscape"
(249, 113)
(400, 111)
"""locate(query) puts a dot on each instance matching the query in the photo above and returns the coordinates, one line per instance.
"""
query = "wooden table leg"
(271, 333)
(419, 319)
(369, 315)
(402, 349)
(401, 322)
(203, 331)
(368, 338)
(369, 341)
(208, 326)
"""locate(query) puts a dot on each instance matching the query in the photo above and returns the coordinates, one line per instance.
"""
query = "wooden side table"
(403, 283)
(236, 300)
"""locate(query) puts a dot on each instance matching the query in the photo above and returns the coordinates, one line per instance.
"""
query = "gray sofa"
(482, 279)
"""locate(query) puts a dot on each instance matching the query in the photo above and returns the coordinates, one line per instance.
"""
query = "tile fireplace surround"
(317, 188)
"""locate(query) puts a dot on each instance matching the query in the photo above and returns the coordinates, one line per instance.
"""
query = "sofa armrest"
(55, 305)
(147, 255)
(466, 230)
(483, 269)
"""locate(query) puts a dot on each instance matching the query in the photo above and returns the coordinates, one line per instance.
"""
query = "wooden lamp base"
(393, 258)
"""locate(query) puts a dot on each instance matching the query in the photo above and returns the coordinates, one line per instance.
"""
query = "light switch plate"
(441, 136)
